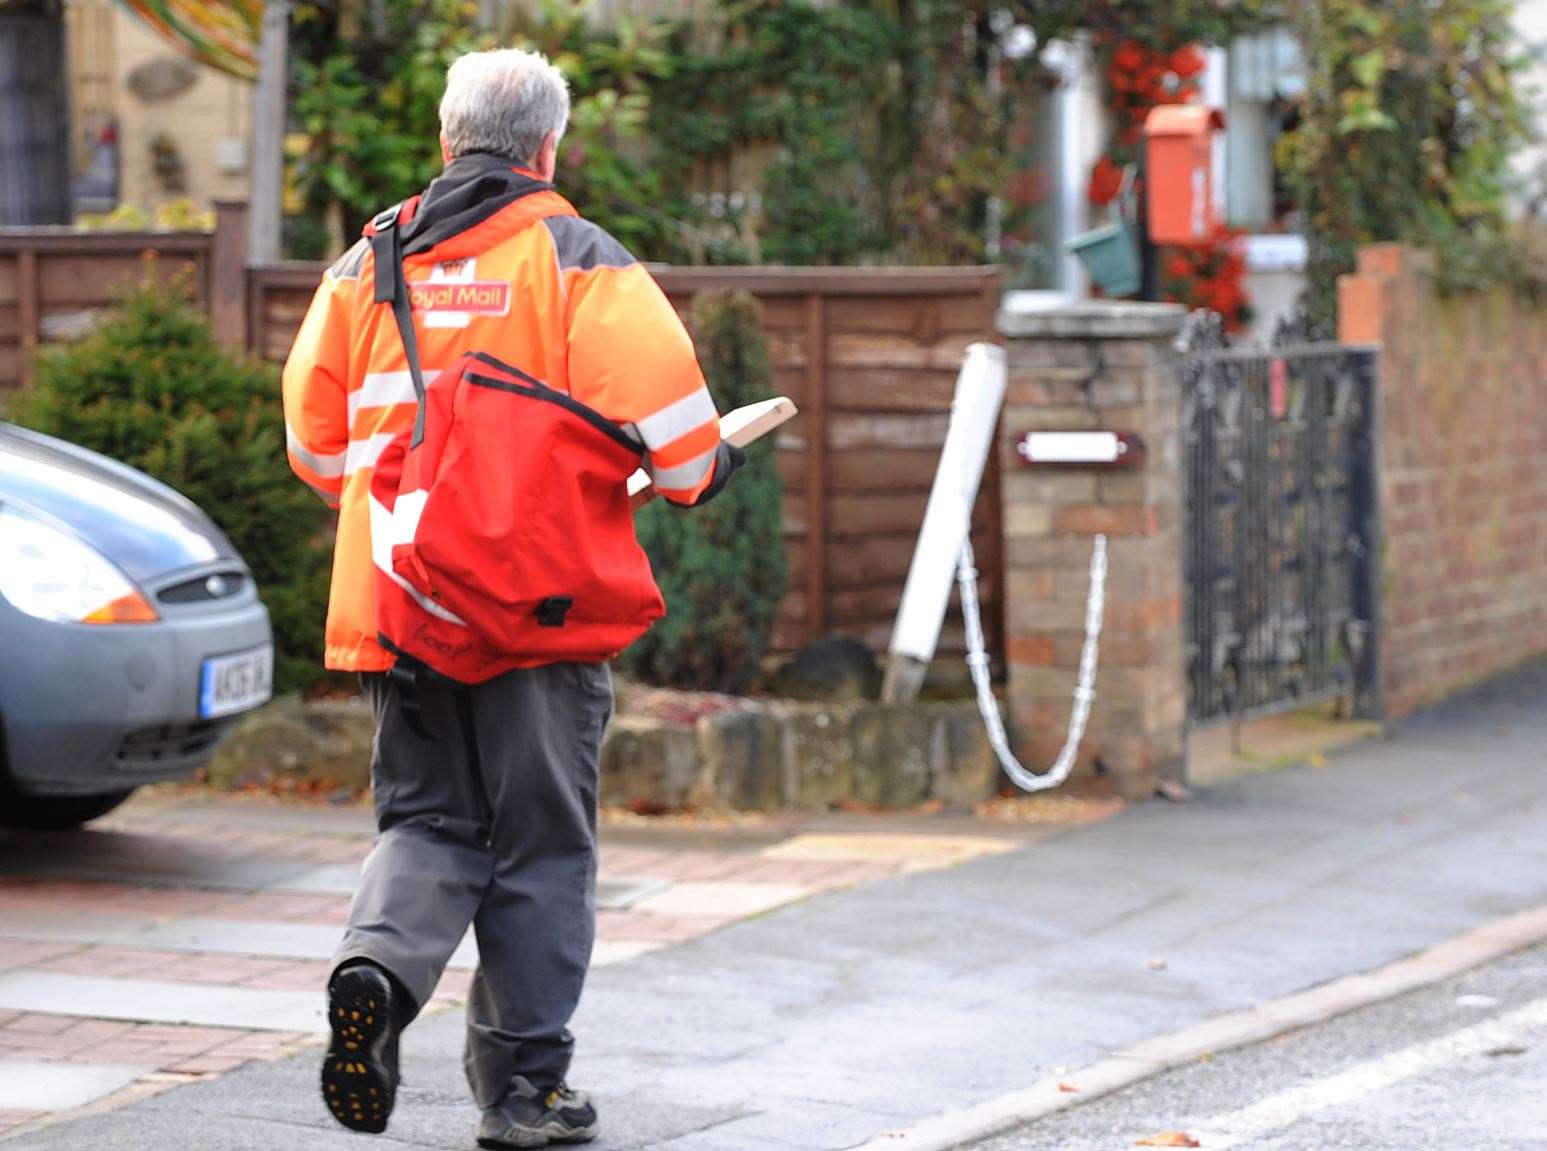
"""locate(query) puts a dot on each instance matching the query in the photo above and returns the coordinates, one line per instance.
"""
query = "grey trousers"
(490, 822)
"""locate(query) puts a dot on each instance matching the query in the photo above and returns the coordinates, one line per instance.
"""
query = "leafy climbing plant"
(876, 131)
(613, 73)
(367, 88)
(368, 84)
(1409, 120)
(780, 131)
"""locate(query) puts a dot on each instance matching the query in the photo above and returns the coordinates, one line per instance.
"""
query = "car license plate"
(232, 683)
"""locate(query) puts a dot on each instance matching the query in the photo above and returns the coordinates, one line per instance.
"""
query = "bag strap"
(392, 288)
(405, 677)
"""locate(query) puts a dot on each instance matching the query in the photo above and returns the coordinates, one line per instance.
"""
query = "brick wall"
(1463, 474)
(194, 121)
(1096, 366)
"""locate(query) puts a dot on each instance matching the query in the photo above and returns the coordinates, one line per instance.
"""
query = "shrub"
(153, 387)
(1412, 111)
(721, 566)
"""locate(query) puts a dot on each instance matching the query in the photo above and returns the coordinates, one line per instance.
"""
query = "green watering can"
(1111, 253)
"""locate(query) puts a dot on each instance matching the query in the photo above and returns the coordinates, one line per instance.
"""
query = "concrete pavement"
(829, 1022)
(190, 933)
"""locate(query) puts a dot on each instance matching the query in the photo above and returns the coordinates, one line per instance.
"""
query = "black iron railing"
(1280, 554)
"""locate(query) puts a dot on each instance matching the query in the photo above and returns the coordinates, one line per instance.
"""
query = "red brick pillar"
(1099, 366)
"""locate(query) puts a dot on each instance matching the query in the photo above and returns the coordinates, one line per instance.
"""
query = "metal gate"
(1281, 544)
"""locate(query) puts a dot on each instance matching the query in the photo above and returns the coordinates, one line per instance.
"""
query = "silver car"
(131, 634)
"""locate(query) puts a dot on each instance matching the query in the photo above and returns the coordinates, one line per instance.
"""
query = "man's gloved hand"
(727, 462)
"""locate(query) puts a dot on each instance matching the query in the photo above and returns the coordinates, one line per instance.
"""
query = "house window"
(1265, 81)
(1033, 226)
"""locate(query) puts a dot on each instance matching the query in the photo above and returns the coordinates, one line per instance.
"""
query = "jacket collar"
(470, 190)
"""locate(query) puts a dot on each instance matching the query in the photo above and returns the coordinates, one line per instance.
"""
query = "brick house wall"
(1462, 473)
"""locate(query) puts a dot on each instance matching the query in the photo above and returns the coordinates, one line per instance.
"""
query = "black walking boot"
(359, 1072)
(530, 1117)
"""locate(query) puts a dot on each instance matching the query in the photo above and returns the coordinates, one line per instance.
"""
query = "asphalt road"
(1459, 1066)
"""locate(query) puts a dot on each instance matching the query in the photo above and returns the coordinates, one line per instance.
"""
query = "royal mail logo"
(471, 297)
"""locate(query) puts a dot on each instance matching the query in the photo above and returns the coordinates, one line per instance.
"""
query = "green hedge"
(721, 566)
(153, 387)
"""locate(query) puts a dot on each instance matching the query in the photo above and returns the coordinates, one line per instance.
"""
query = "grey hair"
(503, 101)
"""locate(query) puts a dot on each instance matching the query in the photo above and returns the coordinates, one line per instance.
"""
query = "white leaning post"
(980, 389)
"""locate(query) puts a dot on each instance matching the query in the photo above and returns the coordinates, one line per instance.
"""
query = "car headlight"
(50, 574)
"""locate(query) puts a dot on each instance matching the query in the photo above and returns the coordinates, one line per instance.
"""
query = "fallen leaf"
(1507, 1049)
(647, 807)
(1316, 759)
(1158, 964)
(1169, 1139)
(1068, 1088)
(856, 807)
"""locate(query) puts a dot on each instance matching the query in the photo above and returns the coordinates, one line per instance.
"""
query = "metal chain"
(1085, 688)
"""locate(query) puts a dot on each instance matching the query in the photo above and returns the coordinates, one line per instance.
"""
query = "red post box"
(1179, 172)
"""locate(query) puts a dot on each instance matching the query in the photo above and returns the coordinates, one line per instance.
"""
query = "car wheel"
(55, 812)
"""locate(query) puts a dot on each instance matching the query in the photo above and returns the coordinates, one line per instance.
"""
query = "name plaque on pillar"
(1107, 451)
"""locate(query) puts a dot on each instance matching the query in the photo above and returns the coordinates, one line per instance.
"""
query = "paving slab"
(330, 879)
(342, 879)
(914, 850)
(118, 857)
(114, 857)
(259, 939)
(721, 897)
(71, 927)
(153, 1001)
(153, 807)
(35, 1085)
(606, 952)
(244, 937)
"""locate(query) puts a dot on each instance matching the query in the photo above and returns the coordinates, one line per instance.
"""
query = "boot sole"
(543, 1136)
(356, 1084)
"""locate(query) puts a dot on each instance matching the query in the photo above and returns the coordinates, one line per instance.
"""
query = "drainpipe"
(268, 151)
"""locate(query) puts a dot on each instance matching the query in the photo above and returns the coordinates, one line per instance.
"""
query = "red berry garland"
(1210, 275)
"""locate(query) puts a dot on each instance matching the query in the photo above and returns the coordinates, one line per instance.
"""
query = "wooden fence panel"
(871, 356)
(55, 281)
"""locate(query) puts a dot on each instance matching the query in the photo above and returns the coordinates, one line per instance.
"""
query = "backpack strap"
(404, 675)
(392, 288)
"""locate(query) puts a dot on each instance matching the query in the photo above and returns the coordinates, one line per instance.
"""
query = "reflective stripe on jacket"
(500, 263)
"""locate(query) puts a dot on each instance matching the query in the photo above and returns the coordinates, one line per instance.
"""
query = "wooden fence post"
(228, 272)
(816, 466)
(27, 310)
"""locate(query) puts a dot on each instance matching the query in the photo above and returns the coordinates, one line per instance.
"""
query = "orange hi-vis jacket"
(496, 262)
